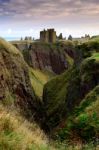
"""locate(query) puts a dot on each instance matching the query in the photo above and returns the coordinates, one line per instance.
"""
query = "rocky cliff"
(65, 97)
(15, 86)
(51, 57)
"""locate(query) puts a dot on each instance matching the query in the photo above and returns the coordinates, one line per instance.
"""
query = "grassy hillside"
(87, 117)
(55, 95)
(72, 104)
(16, 133)
(95, 56)
(9, 47)
(15, 85)
(39, 79)
(64, 92)
(95, 38)
(83, 123)
(70, 101)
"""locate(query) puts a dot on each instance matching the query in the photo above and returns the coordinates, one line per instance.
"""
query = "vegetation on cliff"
(15, 85)
(16, 133)
(46, 56)
(70, 103)
(63, 92)
(39, 79)
(83, 122)
(43, 59)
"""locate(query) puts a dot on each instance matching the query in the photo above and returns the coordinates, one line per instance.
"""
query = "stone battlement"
(48, 36)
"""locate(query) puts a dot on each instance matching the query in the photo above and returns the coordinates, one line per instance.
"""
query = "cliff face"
(43, 56)
(66, 91)
(60, 95)
(15, 86)
(48, 59)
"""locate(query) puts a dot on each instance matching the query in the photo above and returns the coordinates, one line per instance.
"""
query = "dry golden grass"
(9, 47)
(16, 132)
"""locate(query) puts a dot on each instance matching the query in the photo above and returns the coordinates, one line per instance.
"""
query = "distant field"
(95, 39)
(22, 42)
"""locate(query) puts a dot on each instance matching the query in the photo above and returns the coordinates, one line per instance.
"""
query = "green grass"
(87, 120)
(57, 94)
(16, 133)
(95, 56)
(65, 91)
(9, 99)
(69, 60)
(39, 79)
(95, 38)
(83, 123)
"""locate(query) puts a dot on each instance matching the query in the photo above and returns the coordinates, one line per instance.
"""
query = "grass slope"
(9, 47)
(15, 86)
(95, 56)
(84, 121)
(39, 79)
(95, 38)
(16, 133)
(65, 91)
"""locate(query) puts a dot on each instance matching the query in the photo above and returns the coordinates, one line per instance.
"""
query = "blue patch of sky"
(3, 1)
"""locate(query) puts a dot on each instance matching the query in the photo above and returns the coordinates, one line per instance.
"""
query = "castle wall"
(48, 36)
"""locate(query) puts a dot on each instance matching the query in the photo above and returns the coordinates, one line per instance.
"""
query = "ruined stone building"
(28, 38)
(48, 36)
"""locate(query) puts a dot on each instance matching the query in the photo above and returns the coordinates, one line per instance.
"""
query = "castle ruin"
(48, 36)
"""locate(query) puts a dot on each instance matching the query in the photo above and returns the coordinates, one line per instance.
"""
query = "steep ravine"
(46, 61)
(61, 95)
(65, 92)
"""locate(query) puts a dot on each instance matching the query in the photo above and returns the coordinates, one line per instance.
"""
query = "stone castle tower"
(48, 36)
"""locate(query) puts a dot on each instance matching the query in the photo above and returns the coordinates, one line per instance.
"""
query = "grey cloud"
(49, 8)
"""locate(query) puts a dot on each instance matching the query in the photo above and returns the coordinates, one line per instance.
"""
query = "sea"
(12, 38)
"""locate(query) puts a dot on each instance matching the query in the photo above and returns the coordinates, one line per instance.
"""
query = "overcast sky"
(28, 17)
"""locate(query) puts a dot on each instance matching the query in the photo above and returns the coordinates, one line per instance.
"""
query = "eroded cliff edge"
(55, 58)
(15, 85)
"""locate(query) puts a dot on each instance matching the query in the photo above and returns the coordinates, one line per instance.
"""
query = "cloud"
(48, 13)
(49, 8)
